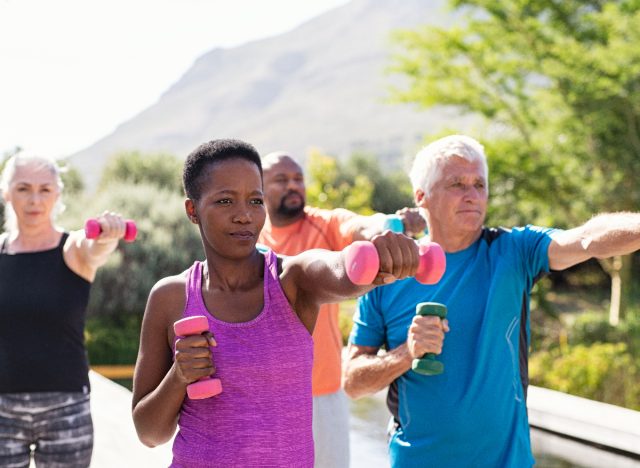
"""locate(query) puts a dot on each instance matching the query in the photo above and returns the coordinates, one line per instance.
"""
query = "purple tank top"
(263, 415)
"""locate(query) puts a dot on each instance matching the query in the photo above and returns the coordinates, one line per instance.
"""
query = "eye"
(257, 201)
(224, 201)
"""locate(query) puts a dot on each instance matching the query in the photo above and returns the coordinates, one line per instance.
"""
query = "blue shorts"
(55, 427)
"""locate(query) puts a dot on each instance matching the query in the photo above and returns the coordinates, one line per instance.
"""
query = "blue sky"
(73, 70)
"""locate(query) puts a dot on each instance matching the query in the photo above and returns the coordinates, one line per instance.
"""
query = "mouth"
(293, 196)
(243, 235)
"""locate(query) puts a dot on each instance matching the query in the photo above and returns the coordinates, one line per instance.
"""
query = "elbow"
(350, 386)
(152, 440)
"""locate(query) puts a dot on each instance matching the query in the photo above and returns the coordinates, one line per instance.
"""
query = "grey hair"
(8, 174)
(428, 162)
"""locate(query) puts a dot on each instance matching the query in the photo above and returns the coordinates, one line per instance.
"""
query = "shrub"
(112, 341)
(602, 371)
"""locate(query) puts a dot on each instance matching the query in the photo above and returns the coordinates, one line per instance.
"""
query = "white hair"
(427, 165)
(8, 173)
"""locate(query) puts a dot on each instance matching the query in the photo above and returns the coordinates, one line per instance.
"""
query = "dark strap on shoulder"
(4, 242)
(492, 233)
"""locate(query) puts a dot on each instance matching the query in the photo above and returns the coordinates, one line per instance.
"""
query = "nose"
(242, 215)
(294, 184)
(472, 193)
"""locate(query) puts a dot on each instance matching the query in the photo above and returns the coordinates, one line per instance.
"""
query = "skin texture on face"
(33, 193)
(284, 189)
(457, 205)
(230, 210)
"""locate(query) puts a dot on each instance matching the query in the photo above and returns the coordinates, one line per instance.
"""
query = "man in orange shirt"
(292, 227)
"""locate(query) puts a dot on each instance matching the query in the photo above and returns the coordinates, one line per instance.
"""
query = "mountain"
(321, 85)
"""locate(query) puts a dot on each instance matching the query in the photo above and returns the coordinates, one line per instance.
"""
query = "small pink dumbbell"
(92, 229)
(205, 387)
(362, 262)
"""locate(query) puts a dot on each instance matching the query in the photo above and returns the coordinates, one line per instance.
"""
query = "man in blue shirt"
(474, 414)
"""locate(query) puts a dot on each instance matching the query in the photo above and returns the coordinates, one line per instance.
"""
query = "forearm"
(365, 227)
(602, 236)
(366, 374)
(155, 416)
(612, 234)
(98, 251)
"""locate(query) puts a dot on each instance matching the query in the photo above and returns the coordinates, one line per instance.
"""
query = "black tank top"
(42, 316)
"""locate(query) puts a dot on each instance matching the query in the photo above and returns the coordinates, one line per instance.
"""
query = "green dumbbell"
(427, 365)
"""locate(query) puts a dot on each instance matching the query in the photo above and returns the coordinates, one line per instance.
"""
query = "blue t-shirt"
(474, 414)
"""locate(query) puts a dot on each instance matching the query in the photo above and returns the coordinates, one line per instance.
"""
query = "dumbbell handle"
(363, 263)
(92, 229)
(427, 364)
(205, 387)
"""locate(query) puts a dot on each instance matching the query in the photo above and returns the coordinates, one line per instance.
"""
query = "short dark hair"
(210, 153)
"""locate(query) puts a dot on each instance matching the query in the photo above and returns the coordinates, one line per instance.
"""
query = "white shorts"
(331, 430)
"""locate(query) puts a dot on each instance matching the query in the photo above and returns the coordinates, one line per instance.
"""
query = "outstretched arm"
(319, 276)
(603, 236)
(84, 256)
(366, 227)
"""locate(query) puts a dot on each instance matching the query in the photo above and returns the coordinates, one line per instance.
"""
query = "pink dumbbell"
(205, 387)
(363, 263)
(92, 229)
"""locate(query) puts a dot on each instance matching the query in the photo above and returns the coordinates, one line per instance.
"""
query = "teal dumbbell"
(393, 223)
(427, 364)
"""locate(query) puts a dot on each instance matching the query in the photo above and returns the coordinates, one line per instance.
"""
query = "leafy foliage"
(163, 170)
(602, 371)
(358, 185)
(559, 84)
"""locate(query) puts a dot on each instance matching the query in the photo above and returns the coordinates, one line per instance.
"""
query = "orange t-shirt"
(319, 229)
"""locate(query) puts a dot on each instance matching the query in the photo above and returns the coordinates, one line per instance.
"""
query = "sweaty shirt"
(319, 229)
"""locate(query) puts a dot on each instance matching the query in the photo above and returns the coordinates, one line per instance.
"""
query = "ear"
(190, 208)
(420, 198)
(6, 196)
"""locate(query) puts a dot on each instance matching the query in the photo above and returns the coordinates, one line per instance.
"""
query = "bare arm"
(367, 371)
(159, 385)
(602, 236)
(318, 276)
(84, 256)
(366, 227)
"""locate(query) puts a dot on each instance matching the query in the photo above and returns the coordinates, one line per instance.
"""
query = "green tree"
(557, 84)
(163, 170)
(357, 184)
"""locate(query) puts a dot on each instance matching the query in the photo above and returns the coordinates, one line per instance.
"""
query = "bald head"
(277, 157)
(284, 189)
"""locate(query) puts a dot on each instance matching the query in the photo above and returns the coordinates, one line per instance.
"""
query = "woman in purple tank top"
(260, 310)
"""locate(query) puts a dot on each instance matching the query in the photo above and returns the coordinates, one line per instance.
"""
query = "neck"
(28, 238)
(452, 242)
(230, 274)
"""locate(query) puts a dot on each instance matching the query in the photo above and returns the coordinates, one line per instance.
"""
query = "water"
(368, 432)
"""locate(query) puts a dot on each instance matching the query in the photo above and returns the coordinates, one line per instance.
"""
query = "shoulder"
(167, 298)
(170, 286)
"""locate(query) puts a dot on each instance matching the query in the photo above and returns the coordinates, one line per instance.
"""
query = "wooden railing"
(116, 371)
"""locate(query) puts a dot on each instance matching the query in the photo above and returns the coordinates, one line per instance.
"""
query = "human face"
(284, 188)
(230, 210)
(457, 204)
(33, 193)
